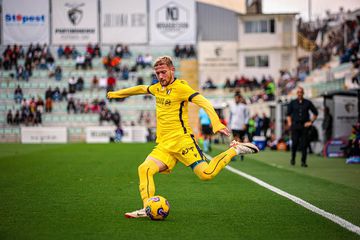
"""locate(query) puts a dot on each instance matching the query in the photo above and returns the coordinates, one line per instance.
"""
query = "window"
(250, 61)
(260, 26)
(263, 61)
(257, 61)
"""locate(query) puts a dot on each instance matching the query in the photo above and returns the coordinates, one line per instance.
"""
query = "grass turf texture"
(81, 191)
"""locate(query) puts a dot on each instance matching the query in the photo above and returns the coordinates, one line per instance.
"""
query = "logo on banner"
(24, 19)
(172, 20)
(75, 14)
(218, 51)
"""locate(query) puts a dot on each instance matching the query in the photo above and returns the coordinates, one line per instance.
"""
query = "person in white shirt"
(239, 117)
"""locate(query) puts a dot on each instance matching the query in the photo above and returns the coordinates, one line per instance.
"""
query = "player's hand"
(110, 95)
(225, 131)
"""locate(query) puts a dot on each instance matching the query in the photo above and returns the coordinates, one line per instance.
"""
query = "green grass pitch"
(81, 191)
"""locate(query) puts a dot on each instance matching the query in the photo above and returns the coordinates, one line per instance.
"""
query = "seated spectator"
(56, 95)
(67, 51)
(9, 118)
(90, 50)
(119, 50)
(126, 52)
(103, 82)
(40, 104)
(94, 83)
(38, 118)
(80, 62)
(58, 73)
(111, 81)
(148, 60)
(97, 51)
(72, 85)
(140, 61)
(74, 52)
(88, 61)
(64, 94)
(18, 94)
(60, 52)
(125, 72)
(177, 51)
(209, 84)
(80, 84)
(16, 120)
(228, 84)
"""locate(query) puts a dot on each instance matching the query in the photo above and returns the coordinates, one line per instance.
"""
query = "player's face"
(164, 74)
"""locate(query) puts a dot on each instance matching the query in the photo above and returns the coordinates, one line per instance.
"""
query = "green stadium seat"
(3, 85)
(11, 85)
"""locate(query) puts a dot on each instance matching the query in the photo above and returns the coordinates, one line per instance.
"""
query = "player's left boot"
(244, 148)
(136, 214)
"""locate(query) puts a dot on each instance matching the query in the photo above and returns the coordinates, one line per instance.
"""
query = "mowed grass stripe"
(82, 191)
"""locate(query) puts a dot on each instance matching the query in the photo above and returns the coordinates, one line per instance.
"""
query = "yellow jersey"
(172, 109)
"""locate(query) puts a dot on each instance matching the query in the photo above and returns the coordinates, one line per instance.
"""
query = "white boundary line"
(332, 217)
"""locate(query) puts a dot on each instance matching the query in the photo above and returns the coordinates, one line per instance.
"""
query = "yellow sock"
(207, 171)
(146, 177)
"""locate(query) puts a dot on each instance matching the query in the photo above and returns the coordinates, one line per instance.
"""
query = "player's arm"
(123, 93)
(217, 126)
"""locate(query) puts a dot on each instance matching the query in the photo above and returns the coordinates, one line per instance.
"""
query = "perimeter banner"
(25, 22)
(172, 21)
(75, 21)
(124, 23)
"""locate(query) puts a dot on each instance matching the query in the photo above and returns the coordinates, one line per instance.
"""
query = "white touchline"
(332, 217)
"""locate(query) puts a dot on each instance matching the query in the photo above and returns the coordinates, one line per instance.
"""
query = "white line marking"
(332, 217)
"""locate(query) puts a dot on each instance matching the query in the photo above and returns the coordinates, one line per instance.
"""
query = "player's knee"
(205, 177)
(148, 167)
(143, 168)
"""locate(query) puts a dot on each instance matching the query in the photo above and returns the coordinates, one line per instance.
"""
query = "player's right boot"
(244, 148)
(136, 214)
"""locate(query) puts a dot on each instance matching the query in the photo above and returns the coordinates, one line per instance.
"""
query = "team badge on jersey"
(168, 91)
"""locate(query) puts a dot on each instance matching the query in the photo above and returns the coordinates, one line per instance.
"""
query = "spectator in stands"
(88, 61)
(80, 84)
(206, 130)
(60, 51)
(126, 52)
(9, 118)
(72, 85)
(298, 118)
(90, 50)
(74, 52)
(16, 120)
(71, 106)
(103, 82)
(58, 73)
(111, 82)
(270, 90)
(148, 60)
(67, 51)
(251, 128)
(125, 72)
(56, 95)
(48, 105)
(97, 51)
(7, 63)
(38, 118)
(48, 93)
(177, 51)
(191, 51)
(119, 50)
(80, 61)
(64, 94)
(40, 104)
(140, 61)
(116, 118)
(94, 83)
(209, 84)
(18, 94)
(228, 84)
(239, 117)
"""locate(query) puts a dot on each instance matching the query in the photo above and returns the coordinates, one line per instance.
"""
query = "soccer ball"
(157, 208)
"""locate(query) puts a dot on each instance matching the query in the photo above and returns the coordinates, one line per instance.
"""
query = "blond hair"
(164, 60)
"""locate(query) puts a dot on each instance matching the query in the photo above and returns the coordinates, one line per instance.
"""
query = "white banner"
(218, 55)
(75, 22)
(43, 135)
(123, 23)
(102, 134)
(345, 115)
(172, 21)
(25, 22)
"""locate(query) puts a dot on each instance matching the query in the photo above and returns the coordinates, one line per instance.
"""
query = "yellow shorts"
(187, 152)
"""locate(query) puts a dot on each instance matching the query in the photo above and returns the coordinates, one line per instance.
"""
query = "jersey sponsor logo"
(168, 91)
(163, 101)
(186, 150)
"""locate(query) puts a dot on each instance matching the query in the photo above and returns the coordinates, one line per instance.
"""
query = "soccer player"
(175, 141)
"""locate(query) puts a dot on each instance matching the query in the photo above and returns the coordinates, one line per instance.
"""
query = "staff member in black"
(299, 121)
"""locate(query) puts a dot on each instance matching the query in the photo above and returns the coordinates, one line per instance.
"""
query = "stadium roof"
(238, 6)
